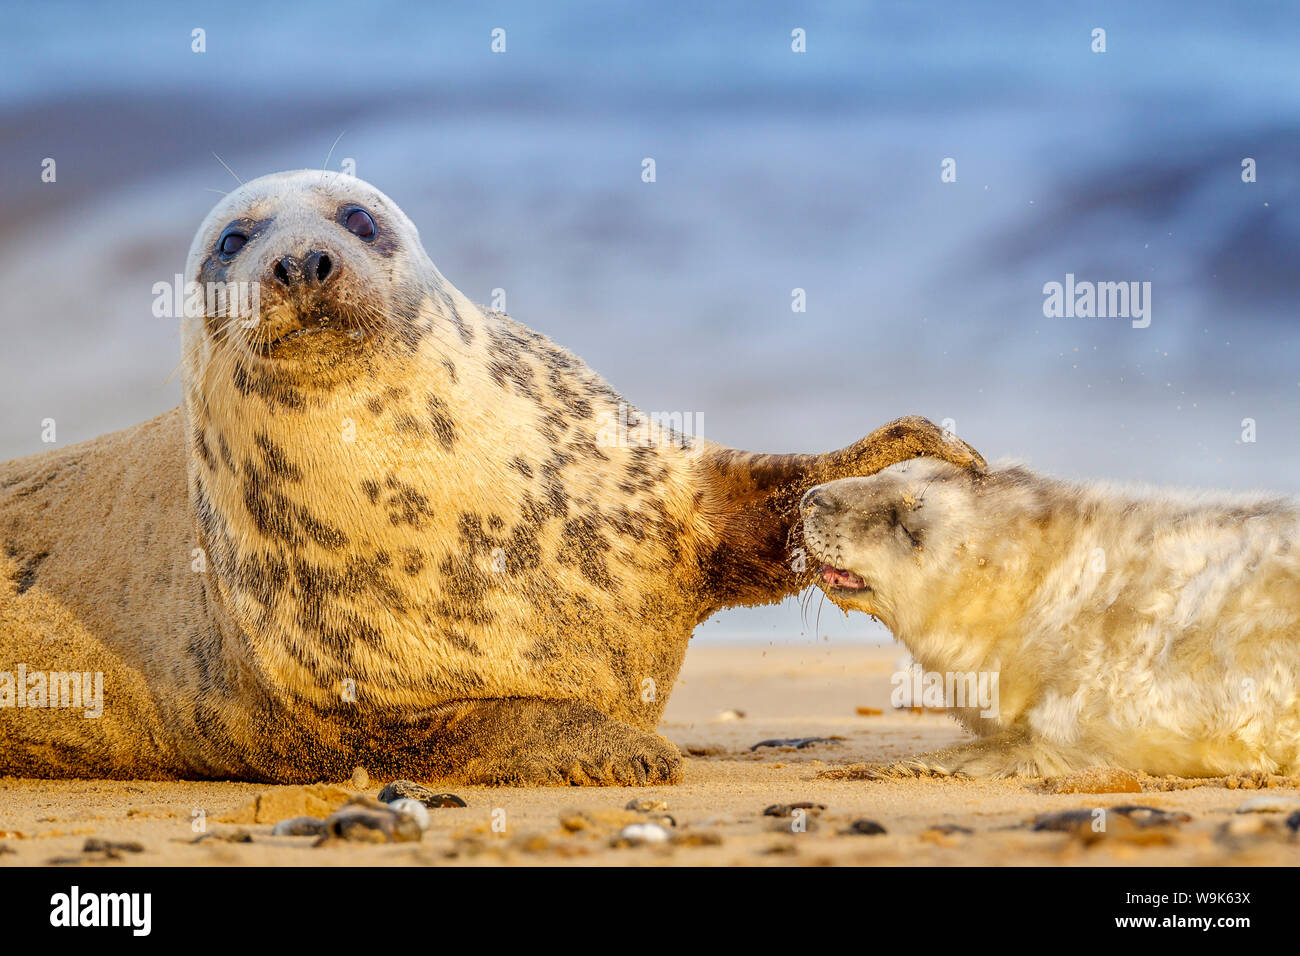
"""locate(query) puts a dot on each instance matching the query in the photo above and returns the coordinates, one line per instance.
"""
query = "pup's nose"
(314, 269)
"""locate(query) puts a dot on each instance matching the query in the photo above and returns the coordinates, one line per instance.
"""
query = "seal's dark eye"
(359, 223)
(231, 243)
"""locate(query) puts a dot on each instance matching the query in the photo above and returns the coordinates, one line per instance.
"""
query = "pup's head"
(306, 272)
(885, 542)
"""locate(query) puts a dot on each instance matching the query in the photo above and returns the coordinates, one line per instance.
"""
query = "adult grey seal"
(386, 528)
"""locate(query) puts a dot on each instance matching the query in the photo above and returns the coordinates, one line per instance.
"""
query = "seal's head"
(888, 541)
(305, 276)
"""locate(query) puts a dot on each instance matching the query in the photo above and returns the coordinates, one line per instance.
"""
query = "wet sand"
(718, 811)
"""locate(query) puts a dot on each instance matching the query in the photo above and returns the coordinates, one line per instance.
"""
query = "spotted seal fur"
(386, 528)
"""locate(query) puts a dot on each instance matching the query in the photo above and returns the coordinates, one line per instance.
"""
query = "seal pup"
(1155, 630)
(387, 528)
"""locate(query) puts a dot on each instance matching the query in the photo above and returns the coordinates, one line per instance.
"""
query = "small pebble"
(798, 742)
(1152, 816)
(413, 808)
(731, 714)
(865, 828)
(788, 809)
(225, 836)
(93, 845)
(299, 826)
(1062, 820)
(647, 804)
(405, 788)
(1072, 820)
(640, 834)
(369, 821)
(360, 779)
(1270, 803)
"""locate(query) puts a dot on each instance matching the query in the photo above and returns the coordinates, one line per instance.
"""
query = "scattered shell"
(369, 821)
(360, 779)
(299, 826)
(412, 808)
(647, 804)
(864, 828)
(731, 714)
(1152, 816)
(640, 834)
(797, 742)
(400, 789)
(1076, 820)
(1095, 780)
(788, 809)
(1270, 803)
(1134, 825)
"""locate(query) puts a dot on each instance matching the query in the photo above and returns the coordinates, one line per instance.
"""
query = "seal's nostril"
(317, 267)
(283, 270)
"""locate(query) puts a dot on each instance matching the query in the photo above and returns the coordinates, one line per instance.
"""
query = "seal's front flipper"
(530, 742)
(753, 501)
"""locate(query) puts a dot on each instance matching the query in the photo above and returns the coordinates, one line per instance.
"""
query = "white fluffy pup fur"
(1151, 629)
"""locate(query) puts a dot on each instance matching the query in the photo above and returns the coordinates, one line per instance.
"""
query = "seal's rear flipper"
(753, 501)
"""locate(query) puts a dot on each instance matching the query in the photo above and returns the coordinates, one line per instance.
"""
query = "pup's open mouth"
(834, 577)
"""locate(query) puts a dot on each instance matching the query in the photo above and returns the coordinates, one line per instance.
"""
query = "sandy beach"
(715, 817)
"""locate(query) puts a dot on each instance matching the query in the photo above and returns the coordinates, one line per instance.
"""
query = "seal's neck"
(387, 532)
(316, 505)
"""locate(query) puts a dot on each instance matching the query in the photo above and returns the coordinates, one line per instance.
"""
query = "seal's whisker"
(228, 169)
(325, 165)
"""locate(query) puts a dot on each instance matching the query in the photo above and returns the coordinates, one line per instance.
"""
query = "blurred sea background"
(775, 170)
